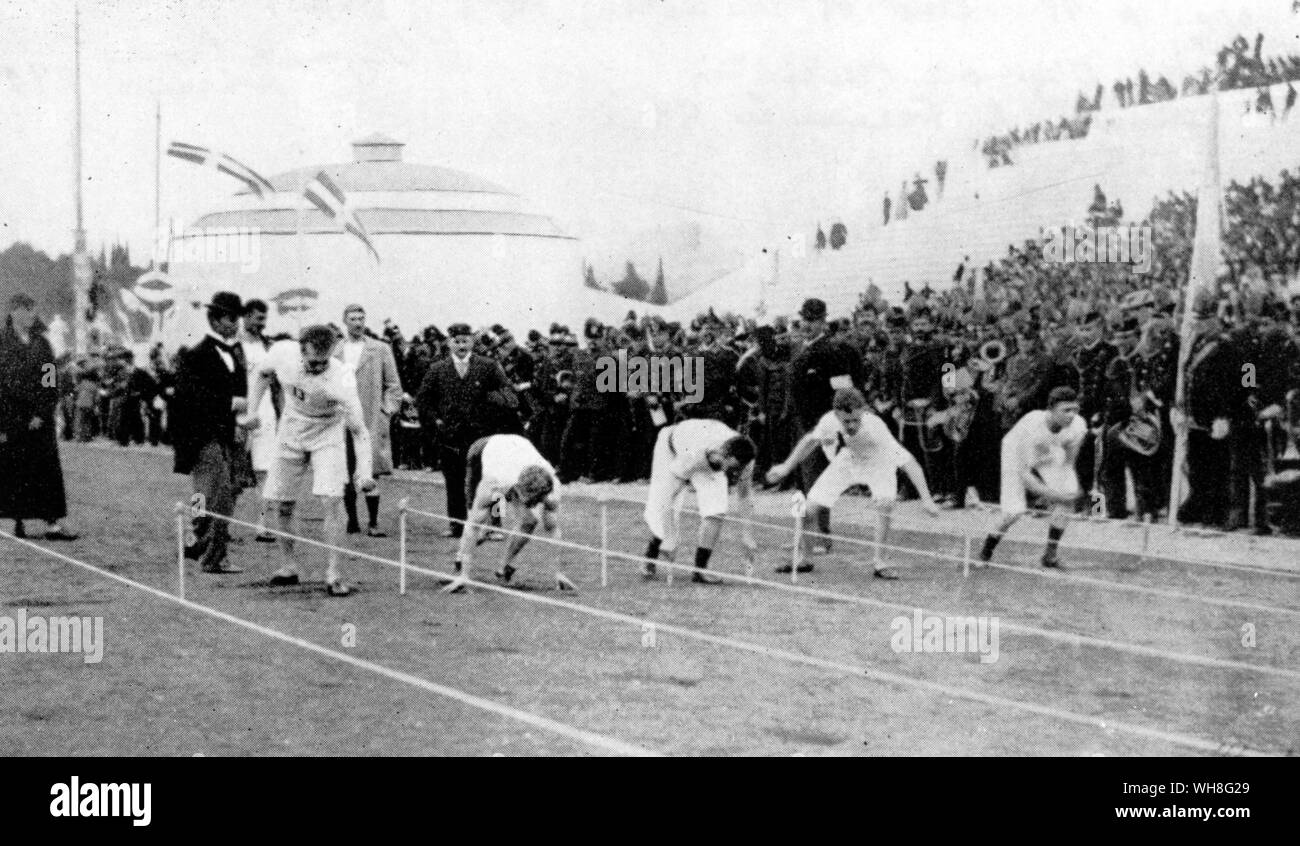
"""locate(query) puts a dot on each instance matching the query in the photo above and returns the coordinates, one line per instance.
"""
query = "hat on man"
(1205, 305)
(1129, 325)
(813, 309)
(226, 303)
(458, 330)
(1139, 299)
(21, 301)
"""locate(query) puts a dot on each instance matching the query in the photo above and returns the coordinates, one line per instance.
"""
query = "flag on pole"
(329, 198)
(1206, 258)
(222, 163)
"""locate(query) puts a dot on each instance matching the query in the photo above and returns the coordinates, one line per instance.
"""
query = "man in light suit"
(380, 390)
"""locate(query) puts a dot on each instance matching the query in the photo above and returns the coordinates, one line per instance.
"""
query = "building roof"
(387, 176)
(391, 221)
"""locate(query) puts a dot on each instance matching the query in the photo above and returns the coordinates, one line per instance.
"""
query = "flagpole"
(157, 174)
(1202, 274)
(80, 259)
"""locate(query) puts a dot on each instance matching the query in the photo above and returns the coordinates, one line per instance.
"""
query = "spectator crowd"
(950, 370)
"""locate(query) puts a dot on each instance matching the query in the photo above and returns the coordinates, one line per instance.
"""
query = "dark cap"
(1060, 394)
(457, 330)
(1092, 317)
(1205, 305)
(1138, 299)
(813, 309)
(21, 300)
(227, 303)
(1126, 326)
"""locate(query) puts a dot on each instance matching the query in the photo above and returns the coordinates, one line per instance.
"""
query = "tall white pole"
(1202, 276)
(157, 174)
(80, 259)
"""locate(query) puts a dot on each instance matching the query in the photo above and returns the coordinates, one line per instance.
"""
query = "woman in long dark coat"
(31, 479)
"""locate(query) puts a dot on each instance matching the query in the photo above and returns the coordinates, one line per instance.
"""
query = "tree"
(659, 296)
(839, 235)
(589, 279)
(821, 238)
(632, 285)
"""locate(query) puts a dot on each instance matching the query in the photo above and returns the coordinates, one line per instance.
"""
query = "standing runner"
(863, 452)
(320, 402)
(1038, 457)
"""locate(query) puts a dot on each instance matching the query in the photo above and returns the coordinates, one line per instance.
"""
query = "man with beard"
(458, 399)
(720, 401)
(587, 407)
(554, 376)
(1267, 357)
(642, 413)
(1212, 386)
(922, 395)
(1156, 363)
(1127, 399)
(1092, 357)
(520, 370)
(753, 385)
(31, 483)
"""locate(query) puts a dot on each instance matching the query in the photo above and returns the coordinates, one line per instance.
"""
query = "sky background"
(754, 118)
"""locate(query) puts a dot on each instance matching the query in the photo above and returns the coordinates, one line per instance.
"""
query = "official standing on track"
(211, 388)
(380, 390)
(460, 397)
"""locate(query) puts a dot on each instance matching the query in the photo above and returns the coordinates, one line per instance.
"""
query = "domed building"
(451, 247)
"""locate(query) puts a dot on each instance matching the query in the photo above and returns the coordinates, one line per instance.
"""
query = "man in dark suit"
(211, 388)
(462, 396)
(821, 368)
(1213, 385)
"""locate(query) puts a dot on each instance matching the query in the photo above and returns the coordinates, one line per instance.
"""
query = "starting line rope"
(989, 508)
(589, 738)
(838, 667)
(1036, 572)
(872, 507)
(821, 593)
